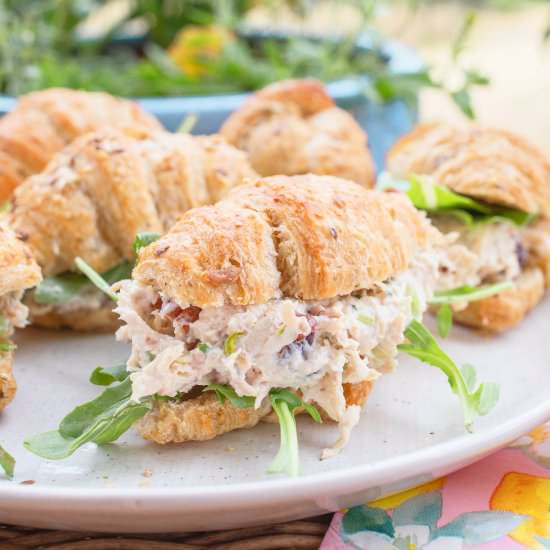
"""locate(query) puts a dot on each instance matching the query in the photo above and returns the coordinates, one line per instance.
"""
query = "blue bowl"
(383, 122)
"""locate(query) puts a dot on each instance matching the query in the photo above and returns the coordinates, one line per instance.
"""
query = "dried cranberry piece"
(521, 254)
(302, 343)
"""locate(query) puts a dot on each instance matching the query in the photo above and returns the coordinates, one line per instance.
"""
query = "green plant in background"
(388, 86)
(41, 45)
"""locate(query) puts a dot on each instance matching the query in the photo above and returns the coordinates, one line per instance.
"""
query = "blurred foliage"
(40, 47)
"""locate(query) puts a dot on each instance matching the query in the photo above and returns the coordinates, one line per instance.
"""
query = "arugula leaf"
(106, 376)
(284, 402)
(423, 346)
(95, 278)
(287, 458)
(224, 392)
(468, 293)
(144, 239)
(61, 288)
(444, 320)
(7, 462)
(102, 420)
(427, 195)
(6, 346)
(104, 429)
(83, 416)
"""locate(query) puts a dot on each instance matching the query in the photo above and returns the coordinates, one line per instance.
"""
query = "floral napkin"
(499, 503)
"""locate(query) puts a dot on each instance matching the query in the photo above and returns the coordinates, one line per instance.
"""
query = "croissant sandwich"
(294, 127)
(42, 123)
(92, 200)
(491, 189)
(18, 271)
(292, 295)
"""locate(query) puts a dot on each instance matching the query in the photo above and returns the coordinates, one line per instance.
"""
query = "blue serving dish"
(383, 122)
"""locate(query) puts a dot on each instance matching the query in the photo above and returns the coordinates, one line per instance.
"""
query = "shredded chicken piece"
(349, 420)
(485, 253)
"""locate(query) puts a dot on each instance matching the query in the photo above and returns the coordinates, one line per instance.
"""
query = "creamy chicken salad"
(12, 314)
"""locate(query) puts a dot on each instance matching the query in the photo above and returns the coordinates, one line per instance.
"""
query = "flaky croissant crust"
(44, 122)
(18, 270)
(294, 127)
(101, 190)
(489, 164)
(308, 237)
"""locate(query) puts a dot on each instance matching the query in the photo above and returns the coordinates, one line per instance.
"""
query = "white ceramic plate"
(411, 431)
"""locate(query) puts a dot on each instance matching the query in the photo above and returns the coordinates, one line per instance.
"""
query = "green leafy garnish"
(61, 288)
(444, 320)
(95, 278)
(365, 319)
(461, 295)
(204, 348)
(468, 293)
(284, 403)
(105, 429)
(144, 239)
(427, 195)
(230, 344)
(106, 376)
(6, 346)
(102, 420)
(224, 392)
(7, 462)
(423, 346)
(281, 329)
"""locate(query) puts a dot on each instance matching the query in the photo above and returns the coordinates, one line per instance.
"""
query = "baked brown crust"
(104, 188)
(205, 417)
(294, 127)
(508, 308)
(198, 419)
(489, 164)
(18, 270)
(8, 386)
(42, 123)
(225, 166)
(314, 237)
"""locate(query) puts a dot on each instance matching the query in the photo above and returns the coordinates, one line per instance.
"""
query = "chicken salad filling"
(312, 346)
(361, 333)
(497, 251)
(13, 314)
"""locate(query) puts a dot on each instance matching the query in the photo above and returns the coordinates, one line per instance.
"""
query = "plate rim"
(446, 457)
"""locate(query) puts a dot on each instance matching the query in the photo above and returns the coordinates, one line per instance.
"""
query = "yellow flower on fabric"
(194, 47)
(393, 501)
(529, 495)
